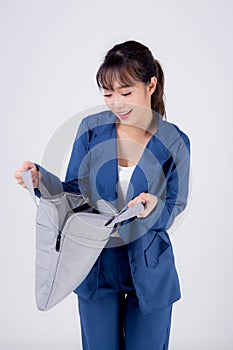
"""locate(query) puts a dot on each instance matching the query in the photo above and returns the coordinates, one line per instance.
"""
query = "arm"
(77, 175)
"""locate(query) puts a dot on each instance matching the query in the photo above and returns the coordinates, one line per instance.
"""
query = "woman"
(129, 154)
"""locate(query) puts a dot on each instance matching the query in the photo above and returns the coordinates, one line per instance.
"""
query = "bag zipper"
(82, 207)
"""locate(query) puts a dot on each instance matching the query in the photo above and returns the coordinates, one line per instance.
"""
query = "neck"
(146, 125)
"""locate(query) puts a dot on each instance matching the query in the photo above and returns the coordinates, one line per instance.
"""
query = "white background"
(50, 52)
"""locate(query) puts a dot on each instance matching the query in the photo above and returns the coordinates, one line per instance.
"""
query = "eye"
(127, 94)
(107, 95)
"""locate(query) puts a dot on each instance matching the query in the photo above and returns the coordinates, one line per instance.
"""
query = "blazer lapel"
(149, 170)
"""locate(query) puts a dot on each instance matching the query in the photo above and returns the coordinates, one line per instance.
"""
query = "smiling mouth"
(124, 115)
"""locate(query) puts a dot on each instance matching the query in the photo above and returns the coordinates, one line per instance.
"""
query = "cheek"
(139, 101)
(144, 102)
(108, 103)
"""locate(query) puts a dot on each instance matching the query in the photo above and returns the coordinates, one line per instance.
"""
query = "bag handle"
(125, 214)
(27, 178)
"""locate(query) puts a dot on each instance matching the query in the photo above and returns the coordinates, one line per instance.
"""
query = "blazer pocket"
(156, 250)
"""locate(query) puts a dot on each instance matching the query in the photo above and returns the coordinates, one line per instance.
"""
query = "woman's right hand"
(27, 165)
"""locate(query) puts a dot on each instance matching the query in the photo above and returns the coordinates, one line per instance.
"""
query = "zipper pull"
(109, 221)
(58, 242)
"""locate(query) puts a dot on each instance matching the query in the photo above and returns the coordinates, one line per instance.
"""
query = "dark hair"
(130, 61)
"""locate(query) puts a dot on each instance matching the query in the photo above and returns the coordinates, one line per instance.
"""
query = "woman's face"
(130, 103)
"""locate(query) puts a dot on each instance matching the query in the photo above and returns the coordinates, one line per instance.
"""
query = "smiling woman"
(130, 63)
(125, 100)
(132, 82)
(126, 155)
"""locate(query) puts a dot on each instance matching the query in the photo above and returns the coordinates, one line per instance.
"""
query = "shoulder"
(99, 119)
(96, 127)
(171, 135)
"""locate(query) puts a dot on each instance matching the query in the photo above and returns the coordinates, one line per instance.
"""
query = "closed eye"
(109, 95)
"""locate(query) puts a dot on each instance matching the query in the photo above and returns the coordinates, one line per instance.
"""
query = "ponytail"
(157, 102)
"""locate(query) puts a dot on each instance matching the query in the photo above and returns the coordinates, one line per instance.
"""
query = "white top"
(125, 173)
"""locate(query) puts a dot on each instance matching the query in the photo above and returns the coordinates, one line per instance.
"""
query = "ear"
(152, 85)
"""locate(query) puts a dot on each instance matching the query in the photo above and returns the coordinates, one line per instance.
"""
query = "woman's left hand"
(148, 200)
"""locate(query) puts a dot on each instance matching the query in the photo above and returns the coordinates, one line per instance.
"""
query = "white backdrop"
(50, 52)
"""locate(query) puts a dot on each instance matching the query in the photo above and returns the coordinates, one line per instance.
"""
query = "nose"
(118, 104)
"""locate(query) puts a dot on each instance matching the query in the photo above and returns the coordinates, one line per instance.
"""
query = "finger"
(17, 174)
(35, 183)
(144, 197)
(140, 198)
(20, 182)
(35, 175)
(136, 200)
(130, 204)
(133, 202)
(140, 216)
(27, 165)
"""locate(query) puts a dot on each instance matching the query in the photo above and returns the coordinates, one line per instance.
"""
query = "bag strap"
(125, 214)
(27, 178)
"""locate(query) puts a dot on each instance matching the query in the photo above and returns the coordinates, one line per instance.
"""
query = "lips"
(124, 114)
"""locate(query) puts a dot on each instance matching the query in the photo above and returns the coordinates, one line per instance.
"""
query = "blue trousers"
(113, 319)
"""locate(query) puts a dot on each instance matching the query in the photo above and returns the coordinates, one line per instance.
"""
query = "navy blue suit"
(163, 170)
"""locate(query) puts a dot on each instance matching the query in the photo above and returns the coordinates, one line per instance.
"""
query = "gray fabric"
(83, 236)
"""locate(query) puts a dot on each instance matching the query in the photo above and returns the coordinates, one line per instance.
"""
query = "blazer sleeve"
(77, 174)
(174, 200)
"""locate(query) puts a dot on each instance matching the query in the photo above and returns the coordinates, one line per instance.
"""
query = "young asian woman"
(127, 154)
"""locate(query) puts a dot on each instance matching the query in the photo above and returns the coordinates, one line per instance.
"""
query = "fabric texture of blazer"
(163, 170)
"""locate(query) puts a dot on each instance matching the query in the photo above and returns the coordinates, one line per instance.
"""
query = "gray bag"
(70, 235)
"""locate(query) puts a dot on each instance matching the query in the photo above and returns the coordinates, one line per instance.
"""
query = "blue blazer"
(163, 170)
